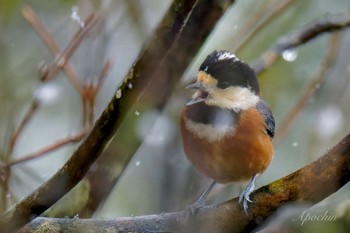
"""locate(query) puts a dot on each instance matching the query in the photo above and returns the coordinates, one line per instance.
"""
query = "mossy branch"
(310, 184)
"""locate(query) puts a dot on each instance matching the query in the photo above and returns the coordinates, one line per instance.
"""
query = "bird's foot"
(200, 203)
(193, 209)
(244, 198)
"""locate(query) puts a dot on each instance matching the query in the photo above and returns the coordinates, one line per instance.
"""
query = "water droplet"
(329, 121)
(118, 95)
(290, 55)
(76, 18)
(155, 128)
(47, 93)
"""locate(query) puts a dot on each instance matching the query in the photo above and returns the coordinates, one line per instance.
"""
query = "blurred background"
(159, 178)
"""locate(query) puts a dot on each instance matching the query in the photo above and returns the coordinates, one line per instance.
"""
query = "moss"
(48, 227)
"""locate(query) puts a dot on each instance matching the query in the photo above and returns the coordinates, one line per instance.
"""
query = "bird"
(226, 128)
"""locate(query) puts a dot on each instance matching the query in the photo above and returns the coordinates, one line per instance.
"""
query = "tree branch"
(310, 184)
(297, 38)
(58, 144)
(257, 23)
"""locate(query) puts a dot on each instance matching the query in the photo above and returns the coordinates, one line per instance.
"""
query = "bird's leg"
(244, 198)
(193, 208)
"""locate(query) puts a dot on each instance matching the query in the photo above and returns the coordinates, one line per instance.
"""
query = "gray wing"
(269, 120)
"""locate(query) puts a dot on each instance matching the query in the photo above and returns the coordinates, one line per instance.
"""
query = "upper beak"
(200, 96)
(196, 85)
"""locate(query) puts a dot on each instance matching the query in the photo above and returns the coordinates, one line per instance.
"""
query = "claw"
(193, 209)
(200, 203)
(244, 198)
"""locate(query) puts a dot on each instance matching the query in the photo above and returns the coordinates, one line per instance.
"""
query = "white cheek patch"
(234, 98)
(209, 132)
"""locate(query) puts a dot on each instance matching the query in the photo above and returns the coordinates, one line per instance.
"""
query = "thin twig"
(48, 74)
(258, 22)
(103, 75)
(88, 98)
(315, 83)
(35, 22)
(32, 109)
(4, 176)
(297, 38)
(60, 58)
(32, 18)
(47, 149)
(90, 91)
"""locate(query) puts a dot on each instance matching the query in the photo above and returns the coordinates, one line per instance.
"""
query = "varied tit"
(226, 128)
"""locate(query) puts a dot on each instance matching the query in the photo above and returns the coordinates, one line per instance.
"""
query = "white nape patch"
(209, 132)
(235, 98)
(224, 55)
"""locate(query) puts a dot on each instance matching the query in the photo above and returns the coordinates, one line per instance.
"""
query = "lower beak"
(201, 94)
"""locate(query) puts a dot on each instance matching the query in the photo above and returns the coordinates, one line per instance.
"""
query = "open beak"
(201, 95)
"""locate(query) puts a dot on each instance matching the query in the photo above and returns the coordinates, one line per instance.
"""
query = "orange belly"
(237, 157)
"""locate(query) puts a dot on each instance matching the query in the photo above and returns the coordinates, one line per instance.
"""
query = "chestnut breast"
(233, 147)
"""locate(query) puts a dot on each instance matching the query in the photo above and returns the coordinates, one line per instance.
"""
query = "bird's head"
(225, 81)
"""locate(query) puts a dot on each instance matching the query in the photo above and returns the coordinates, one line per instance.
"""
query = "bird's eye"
(223, 85)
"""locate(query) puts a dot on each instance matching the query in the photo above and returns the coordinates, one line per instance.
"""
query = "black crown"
(229, 71)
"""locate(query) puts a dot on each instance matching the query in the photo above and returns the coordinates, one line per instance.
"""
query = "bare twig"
(5, 169)
(32, 109)
(122, 105)
(4, 176)
(103, 75)
(90, 90)
(46, 75)
(34, 20)
(258, 22)
(60, 58)
(298, 38)
(55, 146)
(311, 184)
(327, 65)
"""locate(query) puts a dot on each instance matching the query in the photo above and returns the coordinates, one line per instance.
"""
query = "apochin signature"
(306, 216)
